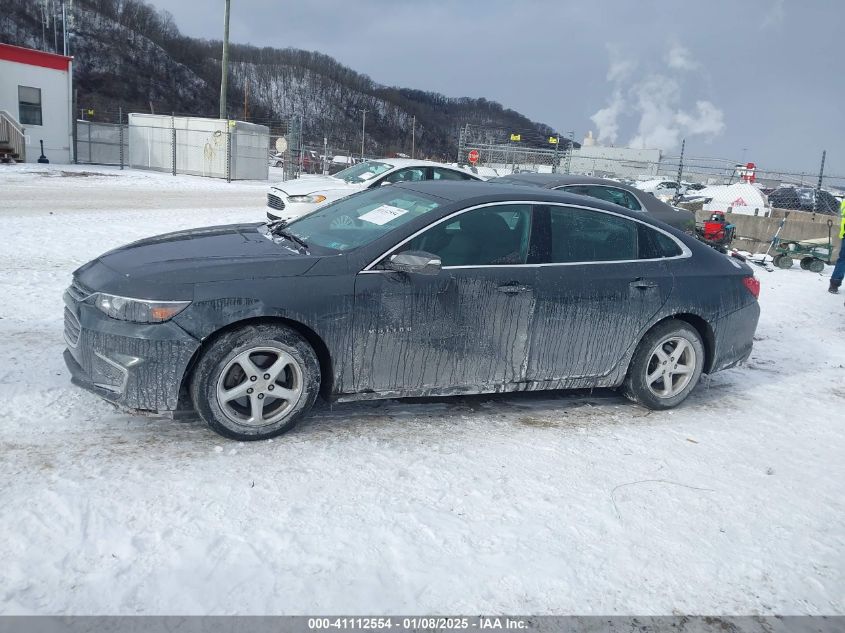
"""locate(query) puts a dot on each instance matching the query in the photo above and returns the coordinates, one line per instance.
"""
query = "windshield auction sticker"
(383, 214)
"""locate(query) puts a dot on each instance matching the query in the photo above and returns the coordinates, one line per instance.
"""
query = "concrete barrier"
(754, 233)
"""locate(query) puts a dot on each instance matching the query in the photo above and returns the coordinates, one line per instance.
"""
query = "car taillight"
(753, 285)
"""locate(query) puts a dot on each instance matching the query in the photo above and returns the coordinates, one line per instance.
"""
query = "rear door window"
(654, 244)
(581, 235)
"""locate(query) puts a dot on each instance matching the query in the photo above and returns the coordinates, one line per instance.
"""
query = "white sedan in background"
(290, 199)
(664, 190)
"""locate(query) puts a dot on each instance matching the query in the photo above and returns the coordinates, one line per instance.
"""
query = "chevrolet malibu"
(418, 289)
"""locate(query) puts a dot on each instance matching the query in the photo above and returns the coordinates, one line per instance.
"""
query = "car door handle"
(513, 289)
(643, 284)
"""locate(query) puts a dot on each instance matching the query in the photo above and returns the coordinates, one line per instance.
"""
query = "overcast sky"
(759, 80)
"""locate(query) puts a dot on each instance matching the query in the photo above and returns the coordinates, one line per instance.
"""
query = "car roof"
(412, 162)
(472, 192)
(556, 180)
(648, 201)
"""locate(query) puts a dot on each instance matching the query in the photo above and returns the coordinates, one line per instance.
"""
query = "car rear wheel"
(256, 382)
(666, 366)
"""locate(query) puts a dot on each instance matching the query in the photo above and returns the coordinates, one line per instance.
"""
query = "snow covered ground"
(528, 503)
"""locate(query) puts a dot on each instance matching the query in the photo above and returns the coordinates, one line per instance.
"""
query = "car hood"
(182, 259)
(318, 184)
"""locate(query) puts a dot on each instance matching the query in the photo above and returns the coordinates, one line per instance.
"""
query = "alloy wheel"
(671, 366)
(259, 386)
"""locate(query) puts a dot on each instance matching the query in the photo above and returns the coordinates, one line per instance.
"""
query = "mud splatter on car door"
(465, 327)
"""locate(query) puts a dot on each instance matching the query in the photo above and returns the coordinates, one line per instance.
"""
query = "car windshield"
(361, 218)
(363, 172)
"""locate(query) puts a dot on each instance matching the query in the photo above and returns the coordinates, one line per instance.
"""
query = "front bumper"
(135, 365)
(279, 207)
(276, 204)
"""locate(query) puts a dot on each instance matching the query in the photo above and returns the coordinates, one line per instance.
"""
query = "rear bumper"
(734, 337)
(134, 365)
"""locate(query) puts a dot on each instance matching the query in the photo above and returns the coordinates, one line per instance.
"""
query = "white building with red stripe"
(36, 92)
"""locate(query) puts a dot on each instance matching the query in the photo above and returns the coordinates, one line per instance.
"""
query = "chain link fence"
(215, 148)
(497, 151)
(205, 147)
(101, 143)
(211, 148)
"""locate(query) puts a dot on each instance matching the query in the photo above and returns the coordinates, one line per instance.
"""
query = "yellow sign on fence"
(553, 140)
(516, 137)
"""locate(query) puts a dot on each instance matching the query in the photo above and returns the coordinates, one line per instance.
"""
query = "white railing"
(11, 133)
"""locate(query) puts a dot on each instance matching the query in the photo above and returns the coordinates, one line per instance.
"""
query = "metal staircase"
(12, 141)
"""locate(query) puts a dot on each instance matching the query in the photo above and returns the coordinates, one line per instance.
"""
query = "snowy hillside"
(129, 55)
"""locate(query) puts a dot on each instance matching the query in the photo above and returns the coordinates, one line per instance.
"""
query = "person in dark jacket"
(839, 269)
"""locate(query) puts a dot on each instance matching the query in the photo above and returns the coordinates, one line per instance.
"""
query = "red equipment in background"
(717, 231)
(748, 173)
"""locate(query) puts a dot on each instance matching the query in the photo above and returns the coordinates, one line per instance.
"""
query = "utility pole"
(819, 185)
(224, 70)
(55, 28)
(413, 134)
(821, 169)
(680, 171)
(363, 130)
(43, 27)
(120, 131)
(460, 145)
(246, 99)
(301, 148)
(64, 30)
(570, 149)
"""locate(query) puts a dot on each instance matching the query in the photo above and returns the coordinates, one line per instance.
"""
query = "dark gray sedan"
(418, 289)
(625, 196)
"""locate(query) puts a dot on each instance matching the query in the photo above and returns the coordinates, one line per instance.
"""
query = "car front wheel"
(256, 382)
(666, 366)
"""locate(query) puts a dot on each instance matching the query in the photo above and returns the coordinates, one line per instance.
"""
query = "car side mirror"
(418, 262)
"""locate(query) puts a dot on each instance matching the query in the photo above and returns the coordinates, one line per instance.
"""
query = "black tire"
(805, 262)
(816, 265)
(257, 344)
(783, 261)
(636, 386)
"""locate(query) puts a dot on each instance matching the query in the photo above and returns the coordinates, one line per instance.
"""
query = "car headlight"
(138, 310)
(311, 198)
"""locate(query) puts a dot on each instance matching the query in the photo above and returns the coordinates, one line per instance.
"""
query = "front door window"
(489, 236)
